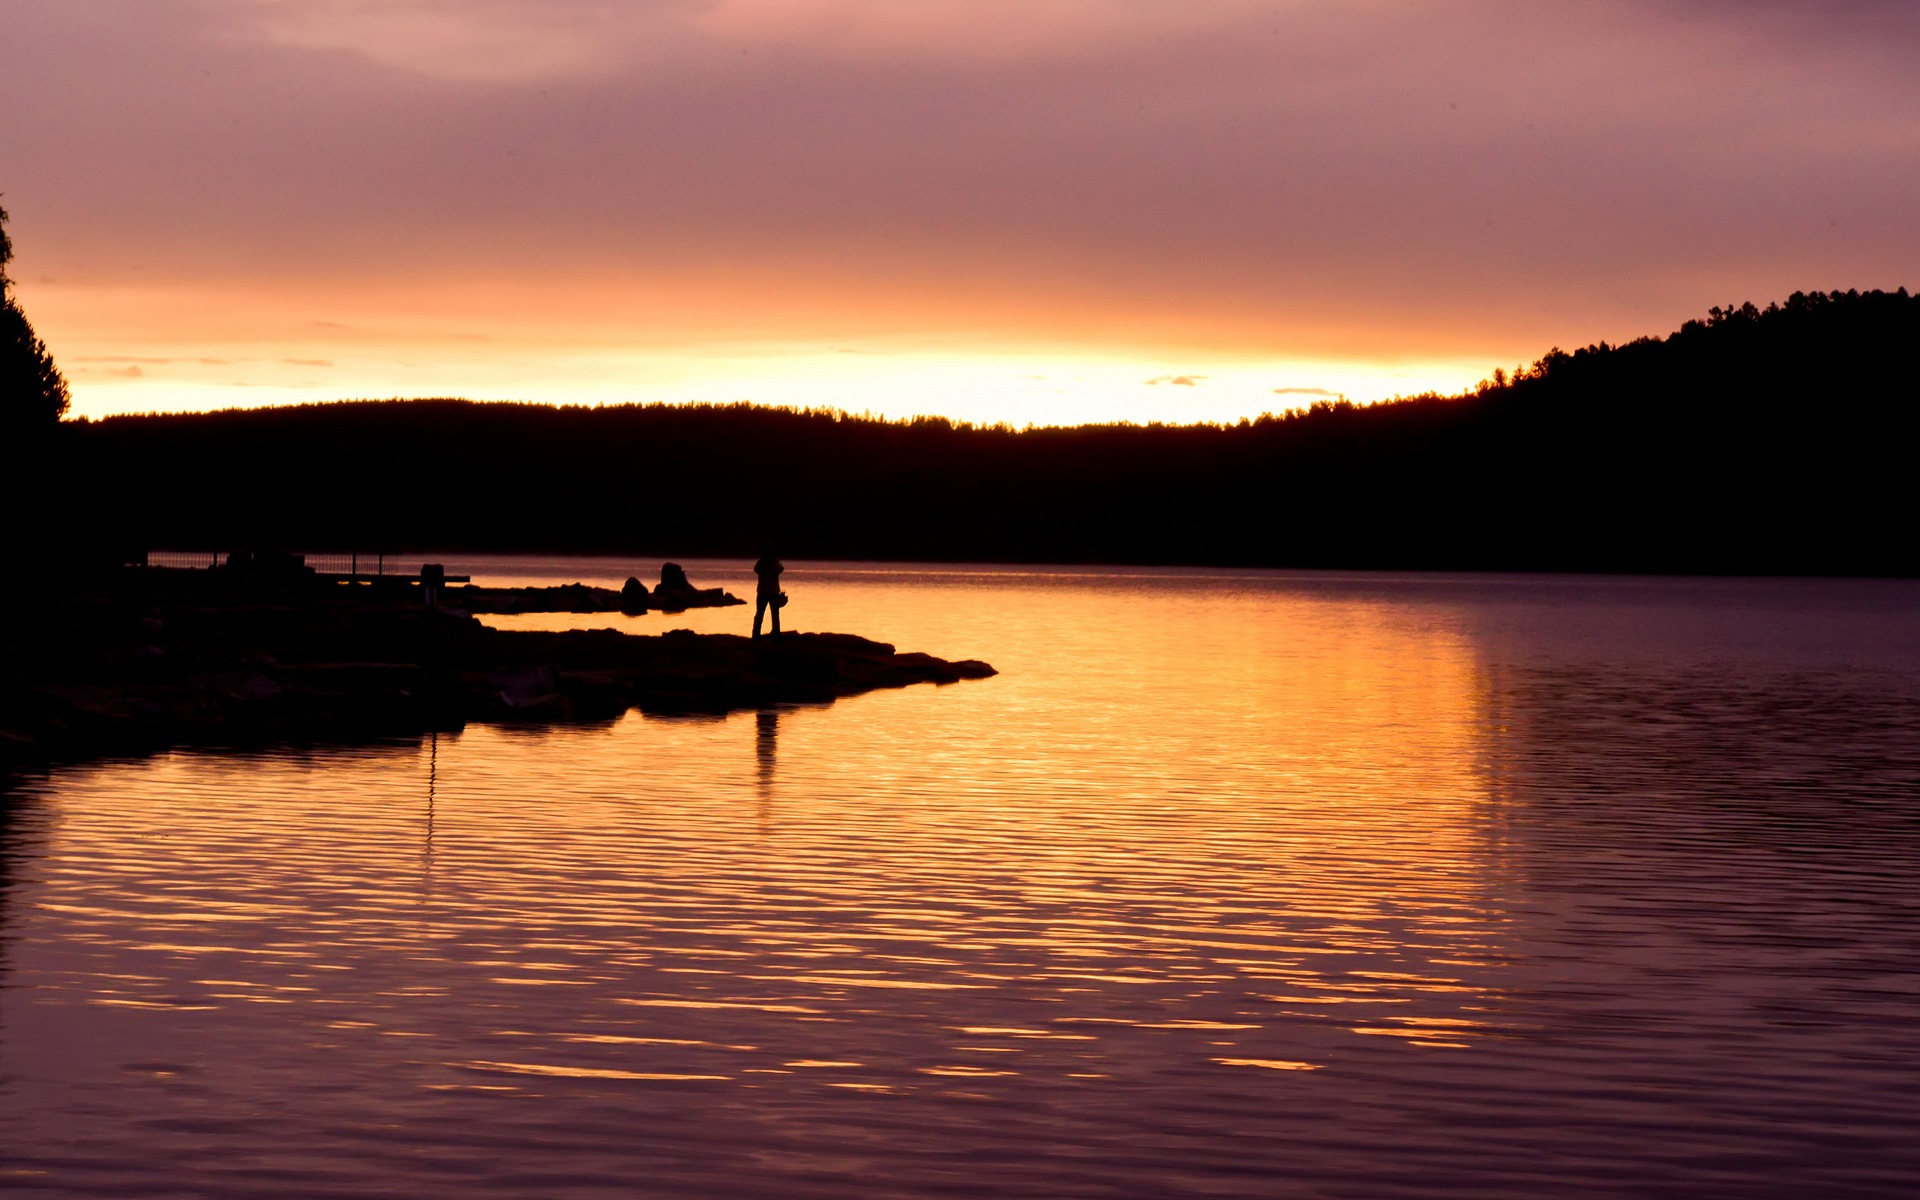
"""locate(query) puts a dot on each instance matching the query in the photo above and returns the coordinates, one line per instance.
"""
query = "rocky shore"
(152, 659)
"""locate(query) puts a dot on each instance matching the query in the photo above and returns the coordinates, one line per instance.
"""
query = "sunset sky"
(1038, 211)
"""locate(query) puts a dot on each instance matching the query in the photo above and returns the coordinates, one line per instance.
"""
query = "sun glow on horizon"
(135, 352)
(988, 210)
(982, 389)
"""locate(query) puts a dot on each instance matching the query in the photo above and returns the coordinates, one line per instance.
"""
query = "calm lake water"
(1231, 884)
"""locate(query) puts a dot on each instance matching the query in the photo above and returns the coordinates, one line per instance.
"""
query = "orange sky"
(1044, 211)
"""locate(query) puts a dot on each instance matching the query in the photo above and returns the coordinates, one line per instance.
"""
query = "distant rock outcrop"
(675, 594)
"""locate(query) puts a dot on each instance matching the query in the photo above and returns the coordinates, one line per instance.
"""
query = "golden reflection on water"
(1225, 886)
(1181, 830)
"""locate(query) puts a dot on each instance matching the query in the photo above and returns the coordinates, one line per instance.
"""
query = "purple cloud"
(1306, 177)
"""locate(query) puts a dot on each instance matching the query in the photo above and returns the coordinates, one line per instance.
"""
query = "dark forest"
(1770, 441)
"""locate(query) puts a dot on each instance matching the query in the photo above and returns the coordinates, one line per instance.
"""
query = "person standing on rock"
(769, 595)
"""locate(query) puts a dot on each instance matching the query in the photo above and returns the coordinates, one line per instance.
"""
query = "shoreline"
(140, 664)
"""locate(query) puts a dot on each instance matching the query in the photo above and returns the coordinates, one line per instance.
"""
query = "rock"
(633, 597)
(676, 593)
(518, 689)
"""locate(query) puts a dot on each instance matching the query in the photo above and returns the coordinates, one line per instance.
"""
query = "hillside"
(1776, 440)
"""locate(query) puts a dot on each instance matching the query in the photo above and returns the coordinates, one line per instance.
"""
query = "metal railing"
(324, 562)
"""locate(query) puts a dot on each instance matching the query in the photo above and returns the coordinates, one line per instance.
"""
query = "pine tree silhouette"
(33, 393)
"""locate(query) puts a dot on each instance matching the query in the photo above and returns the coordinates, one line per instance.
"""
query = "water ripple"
(1228, 885)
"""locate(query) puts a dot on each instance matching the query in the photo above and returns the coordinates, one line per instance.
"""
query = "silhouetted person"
(769, 595)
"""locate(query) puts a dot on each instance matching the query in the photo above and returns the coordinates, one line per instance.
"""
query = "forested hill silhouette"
(1776, 440)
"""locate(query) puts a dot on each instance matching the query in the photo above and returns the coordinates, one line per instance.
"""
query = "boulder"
(676, 593)
(633, 597)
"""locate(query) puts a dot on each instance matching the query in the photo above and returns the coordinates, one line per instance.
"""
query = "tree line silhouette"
(1775, 440)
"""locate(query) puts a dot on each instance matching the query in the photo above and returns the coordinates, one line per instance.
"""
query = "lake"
(1230, 884)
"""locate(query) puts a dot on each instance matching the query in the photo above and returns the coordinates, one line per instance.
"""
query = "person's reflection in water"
(766, 735)
(768, 595)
